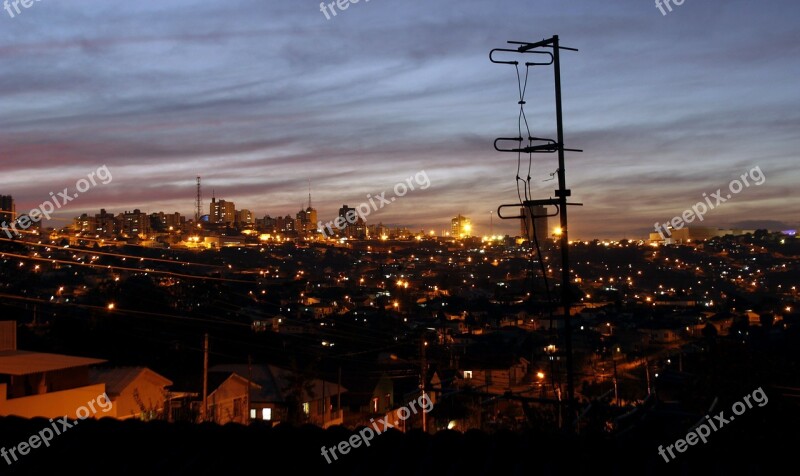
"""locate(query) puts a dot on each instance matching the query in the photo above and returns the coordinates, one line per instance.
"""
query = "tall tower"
(310, 215)
(198, 203)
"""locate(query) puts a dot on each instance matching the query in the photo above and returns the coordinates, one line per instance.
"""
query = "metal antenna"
(198, 204)
(538, 145)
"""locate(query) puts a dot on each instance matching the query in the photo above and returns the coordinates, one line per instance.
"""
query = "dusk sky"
(258, 97)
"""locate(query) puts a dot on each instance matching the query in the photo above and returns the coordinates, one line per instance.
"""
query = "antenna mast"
(198, 204)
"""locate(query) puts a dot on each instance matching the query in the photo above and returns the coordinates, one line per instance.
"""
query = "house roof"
(21, 362)
(118, 378)
(274, 383)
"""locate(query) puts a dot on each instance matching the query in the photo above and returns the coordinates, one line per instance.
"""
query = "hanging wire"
(522, 87)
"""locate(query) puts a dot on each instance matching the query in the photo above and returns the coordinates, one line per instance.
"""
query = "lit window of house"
(306, 408)
(266, 414)
(468, 374)
(375, 405)
(253, 413)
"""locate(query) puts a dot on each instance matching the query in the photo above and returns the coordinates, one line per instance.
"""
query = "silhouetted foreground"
(755, 445)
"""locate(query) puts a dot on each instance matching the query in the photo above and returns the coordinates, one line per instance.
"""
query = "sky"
(261, 97)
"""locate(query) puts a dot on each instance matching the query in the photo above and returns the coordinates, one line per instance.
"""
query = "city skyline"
(64, 219)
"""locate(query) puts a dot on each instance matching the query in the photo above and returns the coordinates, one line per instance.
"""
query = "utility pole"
(205, 377)
(249, 379)
(562, 193)
(423, 377)
(339, 395)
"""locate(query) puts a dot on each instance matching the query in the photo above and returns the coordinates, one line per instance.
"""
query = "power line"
(123, 268)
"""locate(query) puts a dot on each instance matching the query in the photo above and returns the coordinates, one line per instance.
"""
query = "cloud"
(258, 97)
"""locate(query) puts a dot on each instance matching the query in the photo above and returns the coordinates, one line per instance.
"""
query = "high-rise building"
(534, 219)
(84, 224)
(8, 211)
(349, 216)
(106, 223)
(307, 221)
(166, 221)
(244, 217)
(461, 227)
(269, 225)
(354, 226)
(285, 224)
(222, 212)
(134, 223)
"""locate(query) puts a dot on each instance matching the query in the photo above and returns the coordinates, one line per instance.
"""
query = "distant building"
(695, 233)
(285, 224)
(134, 223)
(106, 223)
(379, 230)
(8, 211)
(244, 217)
(166, 221)
(307, 221)
(534, 219)
(460, 227)
(84, 224)
(222, 212)
(354, 226)
(349, 215)
(269, 224)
